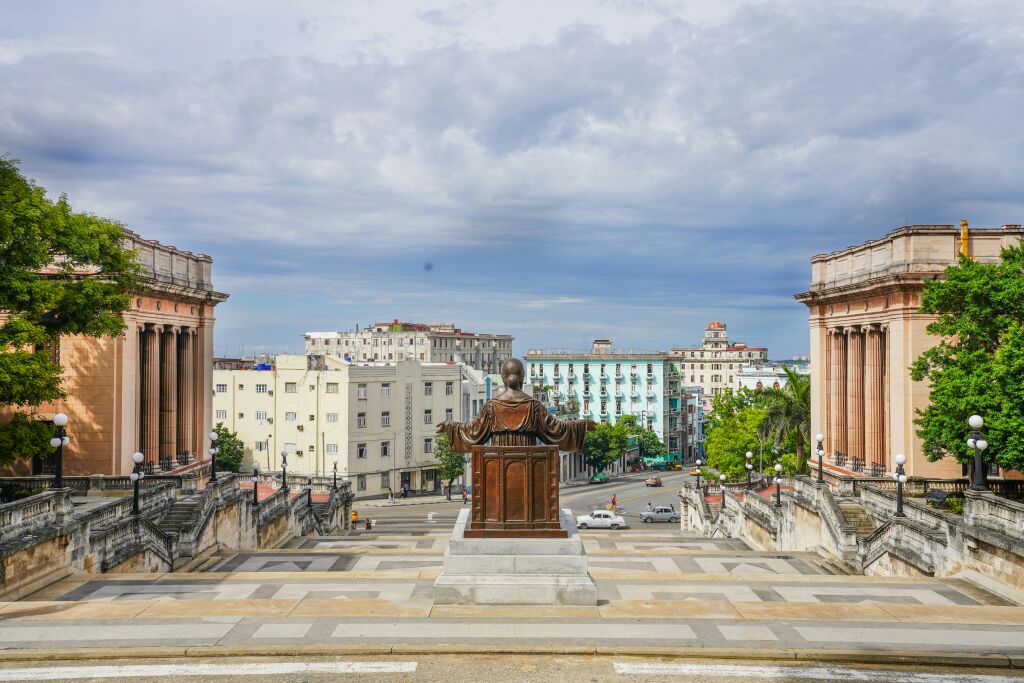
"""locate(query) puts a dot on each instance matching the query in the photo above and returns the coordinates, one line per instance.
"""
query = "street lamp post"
(750, 467)
(901, 479)
(778, 484)
(255, 484)
(334, 483)
(213, 456)
(284, 469)
(59, 441)
(821, 458)
(136, 476)
(978, 443)
(309, 490)
(698, 463)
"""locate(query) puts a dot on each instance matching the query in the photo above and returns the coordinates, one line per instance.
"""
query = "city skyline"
(613, 169)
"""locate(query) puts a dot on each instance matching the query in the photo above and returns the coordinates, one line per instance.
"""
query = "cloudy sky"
(555, 170)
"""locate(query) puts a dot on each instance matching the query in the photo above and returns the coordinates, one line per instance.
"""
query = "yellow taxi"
(695, 472)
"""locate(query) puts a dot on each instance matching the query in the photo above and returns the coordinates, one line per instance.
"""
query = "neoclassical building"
(713, 365)
(151, 389)
(866, 331)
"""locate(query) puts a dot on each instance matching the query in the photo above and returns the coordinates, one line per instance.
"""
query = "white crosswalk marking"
(703, 671)
(254, 669)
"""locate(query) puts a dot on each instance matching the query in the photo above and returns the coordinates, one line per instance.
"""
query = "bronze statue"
(513, 418)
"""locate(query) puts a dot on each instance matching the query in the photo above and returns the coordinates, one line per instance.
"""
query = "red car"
(653, 481)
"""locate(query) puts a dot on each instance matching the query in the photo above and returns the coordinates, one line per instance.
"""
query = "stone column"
(838, 391)
(873, 452)
(185, 384)
(199, 434)
(168, 394)
(855, 393)
(883, 371)
(825, 401)
(150, 442)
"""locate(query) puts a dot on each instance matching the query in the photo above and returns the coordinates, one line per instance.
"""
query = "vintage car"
(659, 514)
(653, 481)
(599, 478)
(601, 519)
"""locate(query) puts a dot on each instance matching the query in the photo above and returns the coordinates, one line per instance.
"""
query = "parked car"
(660, 514)
(601, 519)
(653, 481)
(599, 478)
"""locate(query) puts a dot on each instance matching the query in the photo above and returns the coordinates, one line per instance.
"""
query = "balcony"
(558, 376)
(650, 393)
(619, 391)
(586, 392)
(650, 377)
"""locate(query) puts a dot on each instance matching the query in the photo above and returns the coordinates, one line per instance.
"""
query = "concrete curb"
(888, 657)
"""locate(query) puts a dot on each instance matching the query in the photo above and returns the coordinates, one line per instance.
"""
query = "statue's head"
(513, 372)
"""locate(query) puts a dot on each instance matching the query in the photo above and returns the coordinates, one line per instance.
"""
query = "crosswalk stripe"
(702, 671)
(254, 669)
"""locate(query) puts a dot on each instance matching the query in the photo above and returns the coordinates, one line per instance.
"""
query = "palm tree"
(788, 413)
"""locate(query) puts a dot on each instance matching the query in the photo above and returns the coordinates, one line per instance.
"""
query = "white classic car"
(601, 519)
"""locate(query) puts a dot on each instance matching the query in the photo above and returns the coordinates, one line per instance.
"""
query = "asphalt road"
(484, 668)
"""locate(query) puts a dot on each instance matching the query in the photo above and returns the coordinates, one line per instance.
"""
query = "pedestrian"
(649, 508)
(391, 495)
(368, 525)
(465, 498)
(671, 505)
(614, 503)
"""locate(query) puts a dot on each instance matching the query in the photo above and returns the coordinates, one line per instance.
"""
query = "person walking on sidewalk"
(391, 495)
(465, 498)
(649, 508)
(615, 503)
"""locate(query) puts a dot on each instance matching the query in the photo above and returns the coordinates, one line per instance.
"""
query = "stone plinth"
(515, 493)
(515, 571)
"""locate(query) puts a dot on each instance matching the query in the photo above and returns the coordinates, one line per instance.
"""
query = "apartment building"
(376, 420)
(427, 343)
(713, 364)
(608, 384)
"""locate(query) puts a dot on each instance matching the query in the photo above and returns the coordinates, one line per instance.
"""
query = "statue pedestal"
(515, 570)
(515, 493)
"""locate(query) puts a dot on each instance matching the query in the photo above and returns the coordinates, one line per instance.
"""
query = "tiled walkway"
(655, 588)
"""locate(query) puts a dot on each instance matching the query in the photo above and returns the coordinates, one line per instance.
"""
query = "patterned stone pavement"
(655, 588)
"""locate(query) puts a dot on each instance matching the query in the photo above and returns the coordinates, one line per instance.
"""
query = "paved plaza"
(372, 591)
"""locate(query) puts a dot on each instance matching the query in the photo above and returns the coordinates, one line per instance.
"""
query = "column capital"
(149, 326)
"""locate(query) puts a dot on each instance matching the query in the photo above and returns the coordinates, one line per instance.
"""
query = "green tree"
(61, 273)
(604, 445)
(451, 464)
(726, 446)
(230, 449)
(788, 414)
(975, 368)
(646, 439)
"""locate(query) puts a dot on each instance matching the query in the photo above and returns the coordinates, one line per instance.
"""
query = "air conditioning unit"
(270, 420)
(300, 428)
(270, 392)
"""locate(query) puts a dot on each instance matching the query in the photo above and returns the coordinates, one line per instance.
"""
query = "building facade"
(866, 330)
(608, 384)
(376, 420)
(427, 343)
(768, 376)
(150, 389)
(713, 364)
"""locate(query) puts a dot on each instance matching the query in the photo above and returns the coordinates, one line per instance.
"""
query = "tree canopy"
(451, 464)
(61, 273)
(977, 367)
(230, 449)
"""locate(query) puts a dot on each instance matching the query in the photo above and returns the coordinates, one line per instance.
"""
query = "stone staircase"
(857, 517)
(180, 513)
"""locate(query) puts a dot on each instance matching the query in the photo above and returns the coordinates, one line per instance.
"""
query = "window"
(222, 388)
(332, 417)
(222, 414)
(260, 446)
(385, 390)
(261, 415)
(332, 449)
(261, 388)
(428, 416)
(650, 368)
(385, 480)
(360, 450)
(385, 449)
(618, 407)
(360, 482)
(428, 445)
(448, 414)
(290, 447)
(428, 388)
(449, 388)
(290, 387)
(385, 418)
(312, 449)
(361, 392)
(332, 388)
(312, 418)
(289, 417)
(361, 420)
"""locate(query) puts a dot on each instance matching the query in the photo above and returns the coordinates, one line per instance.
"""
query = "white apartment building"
(713, 364)
(376, 420)
(427, 343)
(771, 376)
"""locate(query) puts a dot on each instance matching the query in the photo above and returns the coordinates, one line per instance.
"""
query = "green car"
(599, 478)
